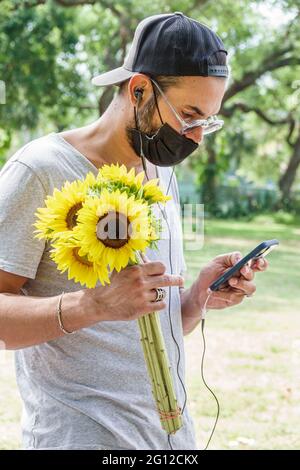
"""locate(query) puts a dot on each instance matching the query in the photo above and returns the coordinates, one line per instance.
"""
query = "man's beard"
(145, 121)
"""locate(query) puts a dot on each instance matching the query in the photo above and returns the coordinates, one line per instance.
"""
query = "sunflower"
(68, 255)
(102, 224)
(60, 211)
(112, 227)
(152, 193)
(119, 174)
(116, 173)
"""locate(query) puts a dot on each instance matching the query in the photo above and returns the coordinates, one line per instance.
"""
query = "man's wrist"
(193, 300)
(190, 304)
(78, 310)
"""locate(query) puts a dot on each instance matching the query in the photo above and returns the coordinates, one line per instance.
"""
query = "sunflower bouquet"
(105, 223)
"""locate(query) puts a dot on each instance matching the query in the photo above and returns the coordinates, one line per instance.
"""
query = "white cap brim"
(113, 77)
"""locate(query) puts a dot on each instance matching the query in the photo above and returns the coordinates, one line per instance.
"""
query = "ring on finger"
(160, 294)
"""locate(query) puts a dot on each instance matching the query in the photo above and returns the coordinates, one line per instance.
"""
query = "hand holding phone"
(260, 251)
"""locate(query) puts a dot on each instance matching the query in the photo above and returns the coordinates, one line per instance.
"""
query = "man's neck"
(105, 141)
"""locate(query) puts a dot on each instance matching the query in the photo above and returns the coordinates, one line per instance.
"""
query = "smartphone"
(261, 250)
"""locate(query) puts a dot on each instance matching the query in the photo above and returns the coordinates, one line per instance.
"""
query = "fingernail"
(233, 281)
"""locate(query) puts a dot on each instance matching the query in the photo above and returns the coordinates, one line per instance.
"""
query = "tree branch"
(28, 4)
(289, 136)
(273, 62)
(288, 119)
(110, 6)
(75, 3)
(64, 3)
(229, 111)
(72, 3)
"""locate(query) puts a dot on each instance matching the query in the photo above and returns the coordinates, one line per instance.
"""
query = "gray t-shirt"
(89, 390)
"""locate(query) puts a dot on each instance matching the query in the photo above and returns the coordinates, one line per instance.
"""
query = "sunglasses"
(212, 124)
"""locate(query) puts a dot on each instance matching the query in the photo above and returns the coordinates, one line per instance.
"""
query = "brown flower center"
(71, 218)
(81, 259)
(113, 229)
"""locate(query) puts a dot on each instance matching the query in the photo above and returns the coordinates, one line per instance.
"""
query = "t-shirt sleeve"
(21, 193)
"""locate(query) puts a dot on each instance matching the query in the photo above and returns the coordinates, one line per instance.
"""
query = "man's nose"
(196, 135)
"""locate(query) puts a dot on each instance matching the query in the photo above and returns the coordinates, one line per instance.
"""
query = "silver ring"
(160, 294)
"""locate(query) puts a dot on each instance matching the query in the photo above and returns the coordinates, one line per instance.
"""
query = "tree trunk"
(287, 179)
(209, 178)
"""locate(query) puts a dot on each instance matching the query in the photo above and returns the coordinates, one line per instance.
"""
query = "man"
(90, 389)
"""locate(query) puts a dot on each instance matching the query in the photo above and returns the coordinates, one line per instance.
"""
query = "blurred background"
(247, 176)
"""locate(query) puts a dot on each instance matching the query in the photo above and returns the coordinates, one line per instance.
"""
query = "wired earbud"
(138, 93)
(203, 312)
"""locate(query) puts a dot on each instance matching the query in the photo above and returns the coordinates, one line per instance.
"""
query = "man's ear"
(139, 88)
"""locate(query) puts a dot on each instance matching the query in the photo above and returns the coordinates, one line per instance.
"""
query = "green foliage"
(256, 34)
(38, 60)
(282, 217)
(5, 141)
(49, 52)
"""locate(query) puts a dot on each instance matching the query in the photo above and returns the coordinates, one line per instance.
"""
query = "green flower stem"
(159, 394)
(166, 369)
(158, 371)
(150, 367)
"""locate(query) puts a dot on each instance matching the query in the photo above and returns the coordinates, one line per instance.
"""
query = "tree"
(48, 56)
(274, 55)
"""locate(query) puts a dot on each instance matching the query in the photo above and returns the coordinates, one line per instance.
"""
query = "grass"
(253, 350)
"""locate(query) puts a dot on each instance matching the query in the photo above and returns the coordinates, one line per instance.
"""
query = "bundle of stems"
(159, 370)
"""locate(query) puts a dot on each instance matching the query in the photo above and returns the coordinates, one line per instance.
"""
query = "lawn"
(253, 350)
(253, 353)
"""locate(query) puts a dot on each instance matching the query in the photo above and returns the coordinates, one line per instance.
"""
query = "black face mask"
(164, 148)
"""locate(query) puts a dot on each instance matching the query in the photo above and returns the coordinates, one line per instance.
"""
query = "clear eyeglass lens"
(216, 126)
(212, 124)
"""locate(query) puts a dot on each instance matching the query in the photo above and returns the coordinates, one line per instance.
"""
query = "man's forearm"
(190, 310)
(26, 321)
